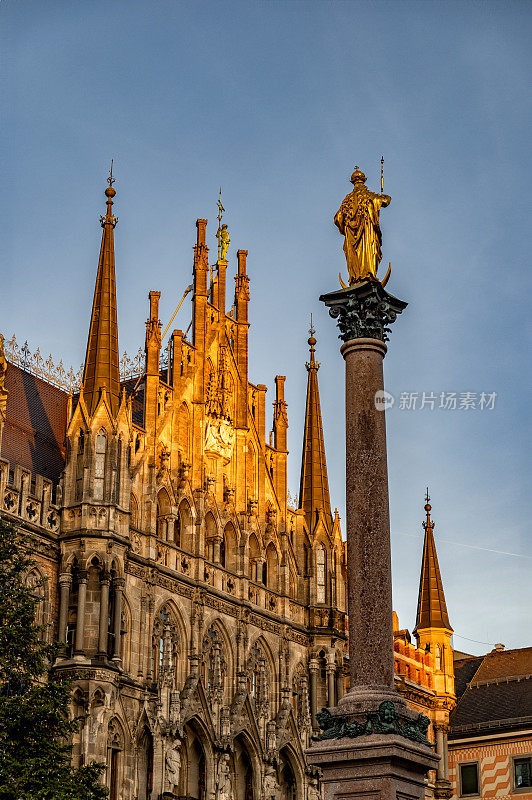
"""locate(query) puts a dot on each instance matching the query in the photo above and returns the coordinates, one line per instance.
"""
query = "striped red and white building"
(490, 734)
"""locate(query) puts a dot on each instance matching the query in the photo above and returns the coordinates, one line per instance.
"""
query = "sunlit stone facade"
(202, 615)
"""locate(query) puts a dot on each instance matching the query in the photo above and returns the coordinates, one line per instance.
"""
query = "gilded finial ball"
(110, 192)
(358, 175)
(428, 507)
(312, 341)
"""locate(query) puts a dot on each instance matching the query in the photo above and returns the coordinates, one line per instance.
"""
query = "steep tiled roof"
(494, 690)
(34, 431)
(505, 664)
(314, 485)
(431, 605)
(101, 362)
(464, 669)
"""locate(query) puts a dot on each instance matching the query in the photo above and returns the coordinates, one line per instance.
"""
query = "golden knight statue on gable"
(358, 220)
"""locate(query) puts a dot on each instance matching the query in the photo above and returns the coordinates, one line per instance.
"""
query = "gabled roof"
(34, 430)
(431, 605)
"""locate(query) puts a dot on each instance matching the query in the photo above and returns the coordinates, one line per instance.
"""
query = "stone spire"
(431, 606)
(101, 362)
(314, 485)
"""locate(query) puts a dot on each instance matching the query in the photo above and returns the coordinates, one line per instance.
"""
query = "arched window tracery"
(115, 746)
(258, 679)
(300, 697)
(163, 509)
(165, 645)
(134, 511)
(213, 663)
(80, 464)
(36, 583)
(321, 564)
(438, 658)
(100, 449)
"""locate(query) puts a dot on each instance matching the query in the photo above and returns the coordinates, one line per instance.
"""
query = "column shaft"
(369, 577)
(313, 666)
(65, 582)
(104, 617)
(439, 750)
(330, 687)
(80, 621)
(117, 621)
(339, 685)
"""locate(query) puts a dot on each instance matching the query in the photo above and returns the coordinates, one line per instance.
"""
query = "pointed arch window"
(437, 658)
(321, 560)
(80, 460)
(214, 665)
(99, 465)
(118, 471)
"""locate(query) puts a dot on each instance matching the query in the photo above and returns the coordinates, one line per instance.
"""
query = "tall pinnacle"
(101, 362)
(314, 485)
(431, 605)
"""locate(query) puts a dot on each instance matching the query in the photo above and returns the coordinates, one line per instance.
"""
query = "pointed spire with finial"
(431, 605)
(101, 369)
(314, 484)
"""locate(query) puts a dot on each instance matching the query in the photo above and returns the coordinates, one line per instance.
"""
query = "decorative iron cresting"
(69, 380)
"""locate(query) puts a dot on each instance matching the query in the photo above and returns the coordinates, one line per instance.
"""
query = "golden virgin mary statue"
(358, 220)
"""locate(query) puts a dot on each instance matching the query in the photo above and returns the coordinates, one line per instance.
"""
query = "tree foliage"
(35, 726)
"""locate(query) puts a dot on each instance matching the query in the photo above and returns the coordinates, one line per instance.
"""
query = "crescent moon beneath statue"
(341, 281)
(387, 276)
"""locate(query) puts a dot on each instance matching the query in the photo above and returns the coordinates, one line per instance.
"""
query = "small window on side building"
(469, 783)
(522, 772)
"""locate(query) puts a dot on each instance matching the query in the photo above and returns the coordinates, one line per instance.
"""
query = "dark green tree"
(35, 727)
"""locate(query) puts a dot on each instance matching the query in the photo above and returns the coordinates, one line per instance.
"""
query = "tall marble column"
(339, 683)
(372, 746)
(119, 584)
(80, 620)
(103, 628)
(65, 583)
(314, 667)
(331, 679)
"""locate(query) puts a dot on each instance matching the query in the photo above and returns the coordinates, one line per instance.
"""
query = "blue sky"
(276, 102)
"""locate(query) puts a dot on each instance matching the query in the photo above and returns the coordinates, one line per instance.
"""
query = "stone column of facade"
(439, 750)
(103, 628)
(445, 756)
(339, 684)
(313, 666)
(372, 747)
(331, 679)
(65, 583)
(80, 620)
(117, 621)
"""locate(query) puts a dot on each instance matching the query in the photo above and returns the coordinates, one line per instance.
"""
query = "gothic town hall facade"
(202, 612)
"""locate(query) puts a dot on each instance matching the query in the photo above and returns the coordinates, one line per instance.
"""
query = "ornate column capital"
(119, 584)
(313, 665)
(105, 577)
(363, 311)
(65, 579)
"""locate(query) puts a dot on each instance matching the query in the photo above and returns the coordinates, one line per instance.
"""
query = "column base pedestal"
(375, 767)
(443, 789)
(362, 699)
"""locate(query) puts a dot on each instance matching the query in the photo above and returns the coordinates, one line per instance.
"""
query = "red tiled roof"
(34, 431)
